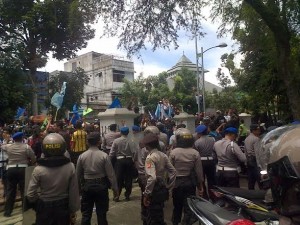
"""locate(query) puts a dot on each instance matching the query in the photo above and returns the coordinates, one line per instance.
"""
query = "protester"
(78, 142)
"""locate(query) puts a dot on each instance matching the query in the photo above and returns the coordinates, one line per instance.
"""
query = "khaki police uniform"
(229, 157)
(123, 149)
(189, 174)
(54, 188)
(205, 146)
(157, 165)
(139, 161)
(108, 140)
(18, 155)
(95, 171)
(251, 145)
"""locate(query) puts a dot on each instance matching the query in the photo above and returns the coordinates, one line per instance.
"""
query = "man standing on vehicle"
(229, 156)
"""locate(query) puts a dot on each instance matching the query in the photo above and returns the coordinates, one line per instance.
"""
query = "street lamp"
(222, 45)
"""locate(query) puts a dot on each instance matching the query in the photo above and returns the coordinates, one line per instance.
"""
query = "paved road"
(120, 213)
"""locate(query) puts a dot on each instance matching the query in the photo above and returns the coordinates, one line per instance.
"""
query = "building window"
(74, 66)
(118, 75)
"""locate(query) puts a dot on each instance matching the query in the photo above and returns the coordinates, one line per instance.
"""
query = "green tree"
(13, 92)
(32, 29)
(160, 21)
(74, 91)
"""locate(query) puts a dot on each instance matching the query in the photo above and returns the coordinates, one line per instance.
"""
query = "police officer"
(109, 138)
(139, 160)
(53, 186)
(96, 174)
(18, 155)
(156, 191)
(187, 162)
(123, 149)
(251, 145)
(229, 156)
(205, 146)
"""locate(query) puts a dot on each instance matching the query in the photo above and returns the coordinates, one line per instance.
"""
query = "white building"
(184, 62)
(106, 73)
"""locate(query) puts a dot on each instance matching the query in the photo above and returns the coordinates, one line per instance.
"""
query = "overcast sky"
(152, 63)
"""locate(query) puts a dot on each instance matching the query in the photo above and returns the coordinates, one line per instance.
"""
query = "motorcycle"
(233, 204)
(209, 213)
(249, 204)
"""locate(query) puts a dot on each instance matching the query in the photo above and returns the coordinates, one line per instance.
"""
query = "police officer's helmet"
(151, 130)
(54, 145)
(184, 138)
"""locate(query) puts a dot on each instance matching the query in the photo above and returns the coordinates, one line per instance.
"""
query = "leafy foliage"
(31, 29)
(149, 91)
(13, 93)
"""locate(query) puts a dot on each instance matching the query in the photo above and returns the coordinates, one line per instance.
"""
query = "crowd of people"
(76, 167)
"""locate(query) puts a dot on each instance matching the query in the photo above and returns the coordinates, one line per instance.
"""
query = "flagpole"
(56, 114)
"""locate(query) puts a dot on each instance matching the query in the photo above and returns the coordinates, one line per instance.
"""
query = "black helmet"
(184, 138)
(54, 145)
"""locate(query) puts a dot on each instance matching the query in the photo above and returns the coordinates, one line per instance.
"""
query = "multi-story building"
(107, 74)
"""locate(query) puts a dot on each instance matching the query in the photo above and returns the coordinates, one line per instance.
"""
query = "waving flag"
(158, 112)
(58, 97)
(87, 111)
(20, 112)
(115, 104)
(75, 116)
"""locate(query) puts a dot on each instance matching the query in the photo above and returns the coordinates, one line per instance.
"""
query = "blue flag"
(20, 112)
(115, 104)
(75, 116)
(58, 97)
(158, 112)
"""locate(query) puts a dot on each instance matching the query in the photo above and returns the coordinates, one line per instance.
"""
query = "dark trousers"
(253, 177)
(180, 195)
(15, 177)
(228, 178)
(209, 172)
(124, 170)
(100, 199)
(155, 213)
(3, 176)
(74, 156)
(53, 213)
(142, 184)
